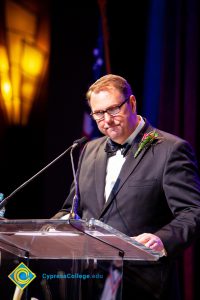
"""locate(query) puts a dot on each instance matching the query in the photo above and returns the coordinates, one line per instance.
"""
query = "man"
(148, 187)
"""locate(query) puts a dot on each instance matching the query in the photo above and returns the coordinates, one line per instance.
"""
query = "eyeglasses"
(112, 111)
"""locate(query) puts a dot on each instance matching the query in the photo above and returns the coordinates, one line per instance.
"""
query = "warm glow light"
(20, 19)
(26, 111)
(6, 90)
(32, 60)
(16, 106)
(6, 93)
(28, 89)
(22, 62)
(4, 66)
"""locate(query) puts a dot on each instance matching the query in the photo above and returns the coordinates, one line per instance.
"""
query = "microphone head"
(80, 141)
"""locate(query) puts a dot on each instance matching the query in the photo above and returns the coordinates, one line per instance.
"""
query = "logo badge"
(22, 276)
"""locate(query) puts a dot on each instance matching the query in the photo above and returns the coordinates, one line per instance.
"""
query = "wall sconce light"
(23, 61)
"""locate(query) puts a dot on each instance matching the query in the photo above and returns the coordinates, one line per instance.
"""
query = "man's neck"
(137, 129)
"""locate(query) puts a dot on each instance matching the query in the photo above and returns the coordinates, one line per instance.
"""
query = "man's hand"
(65, 217)
(150, 241)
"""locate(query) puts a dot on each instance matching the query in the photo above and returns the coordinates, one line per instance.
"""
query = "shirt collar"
(136, 131)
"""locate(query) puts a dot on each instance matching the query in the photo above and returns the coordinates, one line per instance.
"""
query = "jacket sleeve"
(181, 184)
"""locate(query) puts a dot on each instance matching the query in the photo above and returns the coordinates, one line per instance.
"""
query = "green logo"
(22, 276)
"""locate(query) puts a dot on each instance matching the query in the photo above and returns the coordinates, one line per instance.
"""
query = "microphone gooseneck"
(73, 212)
(75, 144)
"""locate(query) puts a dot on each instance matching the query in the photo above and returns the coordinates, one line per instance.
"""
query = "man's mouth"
(111, 127)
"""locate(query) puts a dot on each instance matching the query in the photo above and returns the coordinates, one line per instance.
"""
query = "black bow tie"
(112, 147)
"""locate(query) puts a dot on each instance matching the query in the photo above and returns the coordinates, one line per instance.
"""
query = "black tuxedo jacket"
(157, 192)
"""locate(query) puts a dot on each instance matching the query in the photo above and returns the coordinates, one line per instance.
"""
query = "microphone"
(73, 146)
(73, 213)
(79, 142)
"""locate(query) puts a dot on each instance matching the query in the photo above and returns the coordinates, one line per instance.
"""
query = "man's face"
(121, 125)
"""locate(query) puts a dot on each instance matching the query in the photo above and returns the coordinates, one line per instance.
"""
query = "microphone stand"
(73, 213)
(75, 144)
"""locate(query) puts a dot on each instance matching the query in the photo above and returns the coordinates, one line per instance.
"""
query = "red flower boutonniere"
(147, 139)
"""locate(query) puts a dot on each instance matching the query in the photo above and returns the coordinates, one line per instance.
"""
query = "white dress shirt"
(116, 162)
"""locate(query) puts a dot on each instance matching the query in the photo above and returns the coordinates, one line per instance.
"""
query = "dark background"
(57, 117)
(155, 45)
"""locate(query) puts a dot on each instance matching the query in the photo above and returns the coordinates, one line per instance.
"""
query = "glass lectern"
(57, 259)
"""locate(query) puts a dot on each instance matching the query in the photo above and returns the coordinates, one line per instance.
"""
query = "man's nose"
(107, 117)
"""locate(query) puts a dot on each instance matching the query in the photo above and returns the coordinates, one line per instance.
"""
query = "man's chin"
(114, 136)
(113, 131)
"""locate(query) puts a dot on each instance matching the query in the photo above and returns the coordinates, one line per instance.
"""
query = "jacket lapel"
(129, 165)
(100, 173)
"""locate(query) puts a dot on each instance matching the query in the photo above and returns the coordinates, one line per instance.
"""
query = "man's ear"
(133, 103)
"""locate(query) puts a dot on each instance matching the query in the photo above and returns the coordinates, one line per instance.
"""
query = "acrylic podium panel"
(71, 259)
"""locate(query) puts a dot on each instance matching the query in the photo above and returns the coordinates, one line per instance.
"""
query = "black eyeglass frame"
(117, 107)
